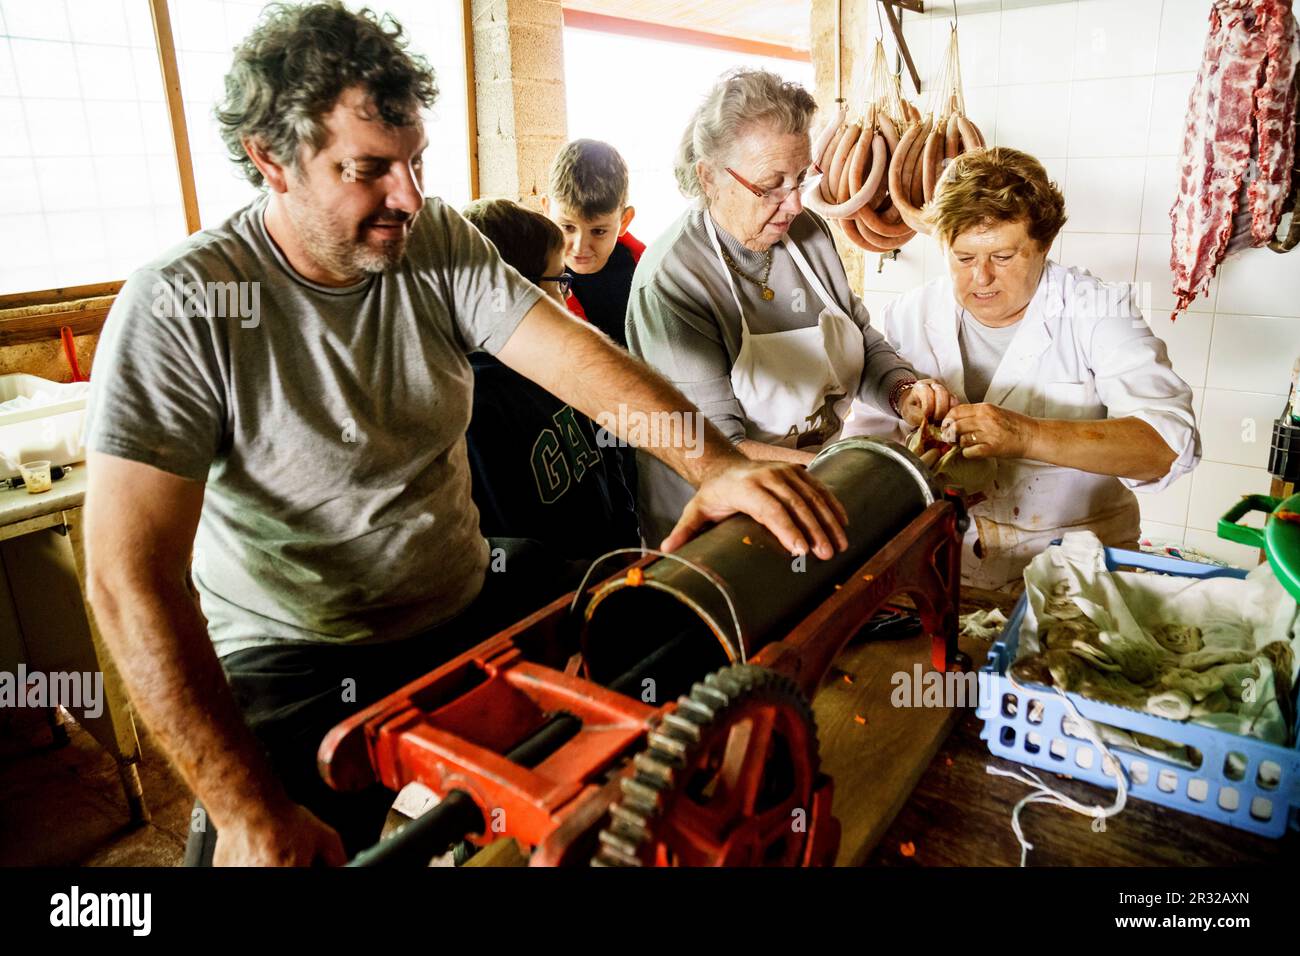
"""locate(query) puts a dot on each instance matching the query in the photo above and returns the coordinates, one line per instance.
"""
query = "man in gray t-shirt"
(284, 399)
(329, 424)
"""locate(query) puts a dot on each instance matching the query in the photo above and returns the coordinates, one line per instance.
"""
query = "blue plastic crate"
(1209, 791)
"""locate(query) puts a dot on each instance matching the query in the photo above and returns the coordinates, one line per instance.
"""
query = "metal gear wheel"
(726, 779)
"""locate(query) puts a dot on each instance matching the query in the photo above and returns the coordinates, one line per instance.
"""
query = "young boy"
(588, 201)
(538, 471)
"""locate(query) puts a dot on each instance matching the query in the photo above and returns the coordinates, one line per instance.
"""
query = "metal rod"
(456, 815)
(428, 835)
(897, 29)
(839, 83)
(547, 739)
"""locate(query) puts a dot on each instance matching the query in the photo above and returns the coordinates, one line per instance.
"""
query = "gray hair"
(288, 73)
(741, 98)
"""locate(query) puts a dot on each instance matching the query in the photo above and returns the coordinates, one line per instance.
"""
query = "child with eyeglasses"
(538, 467)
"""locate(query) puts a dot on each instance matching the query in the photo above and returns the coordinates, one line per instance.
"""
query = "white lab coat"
(1082, 351)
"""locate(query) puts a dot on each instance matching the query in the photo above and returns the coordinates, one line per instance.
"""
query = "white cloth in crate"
(1236, 618)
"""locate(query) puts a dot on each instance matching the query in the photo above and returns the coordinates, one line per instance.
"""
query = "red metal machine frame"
(450, 729)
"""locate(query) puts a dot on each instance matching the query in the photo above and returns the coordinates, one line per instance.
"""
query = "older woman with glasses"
(744, 303)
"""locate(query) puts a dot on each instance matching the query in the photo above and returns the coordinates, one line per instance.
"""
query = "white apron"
(796, 387)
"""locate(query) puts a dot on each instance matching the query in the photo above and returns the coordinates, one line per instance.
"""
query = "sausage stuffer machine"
(661, 716)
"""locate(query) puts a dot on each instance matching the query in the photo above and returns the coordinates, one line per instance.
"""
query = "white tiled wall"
(1097, 90)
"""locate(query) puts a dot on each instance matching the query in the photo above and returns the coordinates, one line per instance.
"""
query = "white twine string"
(1043, 793)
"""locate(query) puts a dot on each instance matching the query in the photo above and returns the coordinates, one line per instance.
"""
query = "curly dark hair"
(288, 73)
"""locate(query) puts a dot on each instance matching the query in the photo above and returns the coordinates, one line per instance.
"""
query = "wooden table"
(874, 751)
(960, 815)
(45, 621)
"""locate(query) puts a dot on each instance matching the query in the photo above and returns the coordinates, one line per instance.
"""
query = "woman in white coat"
(1057, 377)
(744, 304)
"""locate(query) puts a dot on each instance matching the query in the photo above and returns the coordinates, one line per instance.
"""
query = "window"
(206, 31)
(89, 188)
(436, 30)
(88, 185)
(675, 77)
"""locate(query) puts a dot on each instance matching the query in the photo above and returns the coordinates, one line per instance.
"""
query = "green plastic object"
(1279, 539)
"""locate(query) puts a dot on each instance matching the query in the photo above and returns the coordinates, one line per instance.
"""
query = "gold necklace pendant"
(764, 290)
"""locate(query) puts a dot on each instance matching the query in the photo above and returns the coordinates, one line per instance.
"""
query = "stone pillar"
(519, 92)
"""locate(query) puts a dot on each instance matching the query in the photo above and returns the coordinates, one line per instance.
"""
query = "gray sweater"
(682, 321)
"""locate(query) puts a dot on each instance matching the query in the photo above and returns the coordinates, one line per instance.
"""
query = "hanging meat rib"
(1241, 98)
(1275, 103)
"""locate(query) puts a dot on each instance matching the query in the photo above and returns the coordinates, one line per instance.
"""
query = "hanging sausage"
(880, 169)
(932, 141)
(854, 160)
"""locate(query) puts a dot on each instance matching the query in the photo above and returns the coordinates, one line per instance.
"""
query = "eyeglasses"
(563, 282)
(777, 194)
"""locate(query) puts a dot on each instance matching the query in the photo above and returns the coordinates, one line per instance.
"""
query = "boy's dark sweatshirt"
(601, 297)
(539, 470)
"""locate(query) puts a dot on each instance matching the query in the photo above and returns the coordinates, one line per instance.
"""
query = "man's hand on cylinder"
(989, 431)
(925, 401)
(787, 500)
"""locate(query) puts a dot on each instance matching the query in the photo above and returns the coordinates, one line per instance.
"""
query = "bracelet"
(897, 391)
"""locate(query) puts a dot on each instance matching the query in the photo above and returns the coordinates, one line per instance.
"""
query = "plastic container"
(1263, 797)
(36, 476)
(53, 431)
(1280, 540)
